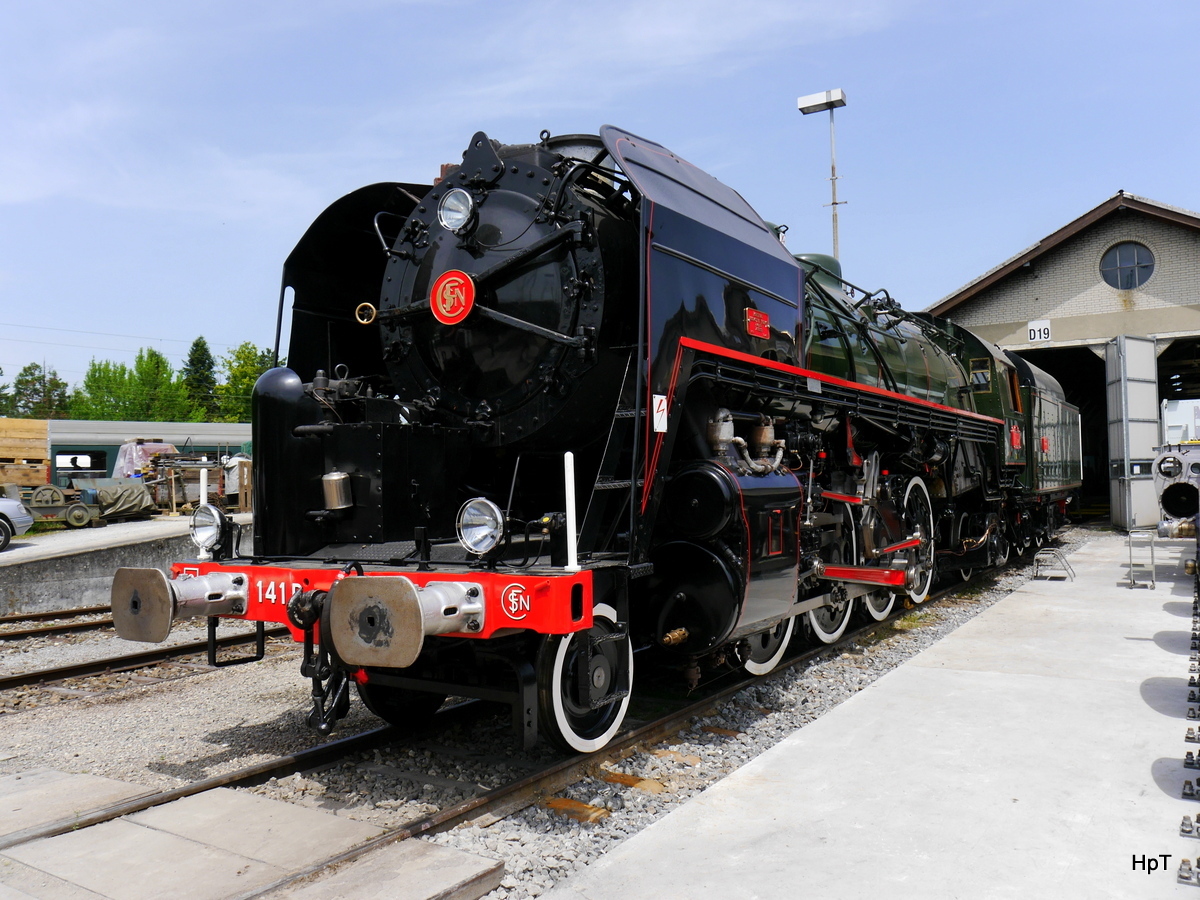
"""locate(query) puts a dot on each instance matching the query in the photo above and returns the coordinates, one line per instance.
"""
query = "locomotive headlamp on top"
(208, 529)
(480, 526)
(456, 209)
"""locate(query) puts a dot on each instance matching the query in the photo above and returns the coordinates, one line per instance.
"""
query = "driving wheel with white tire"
(583, 682)
(828, 623)
(401, 707)
(918, 513)
(962, 529)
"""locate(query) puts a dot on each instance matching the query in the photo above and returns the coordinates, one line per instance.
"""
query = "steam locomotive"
(577, 401)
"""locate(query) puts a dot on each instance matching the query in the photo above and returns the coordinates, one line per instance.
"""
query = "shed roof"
(1114, 204)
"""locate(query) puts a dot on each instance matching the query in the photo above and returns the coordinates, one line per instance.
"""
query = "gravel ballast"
(165, 735)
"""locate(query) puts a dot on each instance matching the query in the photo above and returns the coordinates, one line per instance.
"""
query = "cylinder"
(1180, 500)
(336, 486)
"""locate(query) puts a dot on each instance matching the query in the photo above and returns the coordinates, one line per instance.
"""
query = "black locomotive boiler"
(575, 401)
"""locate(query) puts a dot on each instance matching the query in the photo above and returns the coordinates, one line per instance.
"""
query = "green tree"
(38, 393)
(104, 393)
(200, 375)
(163, 393)
(241, 366)
(147, 391)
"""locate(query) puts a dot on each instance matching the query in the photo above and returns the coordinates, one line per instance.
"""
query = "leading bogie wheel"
(401, 707)
(579, 716)
(767, 647)
(77, 516)
(919, 512)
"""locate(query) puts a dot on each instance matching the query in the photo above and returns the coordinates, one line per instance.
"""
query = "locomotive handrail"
(537, 248)
(379, 231)
(549, 334)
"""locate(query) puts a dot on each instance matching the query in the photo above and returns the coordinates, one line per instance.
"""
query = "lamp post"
(812, 103)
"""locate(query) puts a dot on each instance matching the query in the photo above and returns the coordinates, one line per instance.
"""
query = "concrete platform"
(411, 870)
(43, 796)
(224, 844)
(1035, 752)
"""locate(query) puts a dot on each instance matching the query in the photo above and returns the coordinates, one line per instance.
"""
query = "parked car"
(15, 519)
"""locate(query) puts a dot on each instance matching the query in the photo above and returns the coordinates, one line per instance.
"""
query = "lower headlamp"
(480, 525)
(208, 525)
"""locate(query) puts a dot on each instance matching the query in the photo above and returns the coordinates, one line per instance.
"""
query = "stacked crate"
(24, 452)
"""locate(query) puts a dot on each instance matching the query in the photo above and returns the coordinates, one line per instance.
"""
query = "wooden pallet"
(24, 475)
(24, 451)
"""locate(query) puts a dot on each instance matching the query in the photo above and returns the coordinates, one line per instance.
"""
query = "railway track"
(127, 662)
(18, 627)
(515, 794)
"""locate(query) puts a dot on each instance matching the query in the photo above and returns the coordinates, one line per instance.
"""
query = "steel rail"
(65, 628)
(52, 614)
(127, 662)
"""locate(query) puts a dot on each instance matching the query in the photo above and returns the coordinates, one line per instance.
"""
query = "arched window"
(1127, 265)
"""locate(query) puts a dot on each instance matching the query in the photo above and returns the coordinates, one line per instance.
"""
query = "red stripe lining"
(828, 379)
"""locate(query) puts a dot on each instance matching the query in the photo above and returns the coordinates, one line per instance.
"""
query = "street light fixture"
(812, 103)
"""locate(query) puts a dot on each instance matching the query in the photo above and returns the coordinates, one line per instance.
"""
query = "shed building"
(1109, 304)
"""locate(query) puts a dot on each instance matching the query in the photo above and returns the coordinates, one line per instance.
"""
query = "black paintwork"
(594, 259)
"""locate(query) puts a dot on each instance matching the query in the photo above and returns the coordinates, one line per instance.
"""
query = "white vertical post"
(572, 540)
(204, 485)
(833, 180)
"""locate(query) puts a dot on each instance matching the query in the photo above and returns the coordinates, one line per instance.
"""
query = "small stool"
(1053, 563)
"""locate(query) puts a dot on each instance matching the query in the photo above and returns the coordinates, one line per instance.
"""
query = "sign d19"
(1039, 331)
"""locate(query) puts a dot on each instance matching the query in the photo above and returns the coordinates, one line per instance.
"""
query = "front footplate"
(145, 603)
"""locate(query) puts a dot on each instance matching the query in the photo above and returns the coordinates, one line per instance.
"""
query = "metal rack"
(1138, 542)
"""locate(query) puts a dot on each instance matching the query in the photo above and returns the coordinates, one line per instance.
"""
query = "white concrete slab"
(225, 843)
(1032, 753)
(42, 796)
(123, 861)
(18, 881)
(7, 893)
(410, 870)
(270, 831)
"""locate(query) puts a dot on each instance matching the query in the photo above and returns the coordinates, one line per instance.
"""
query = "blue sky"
(159, 161)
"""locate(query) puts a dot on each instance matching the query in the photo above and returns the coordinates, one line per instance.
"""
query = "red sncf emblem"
(515, 601)
(758, 323)
(1014, 437)
(452, 297)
